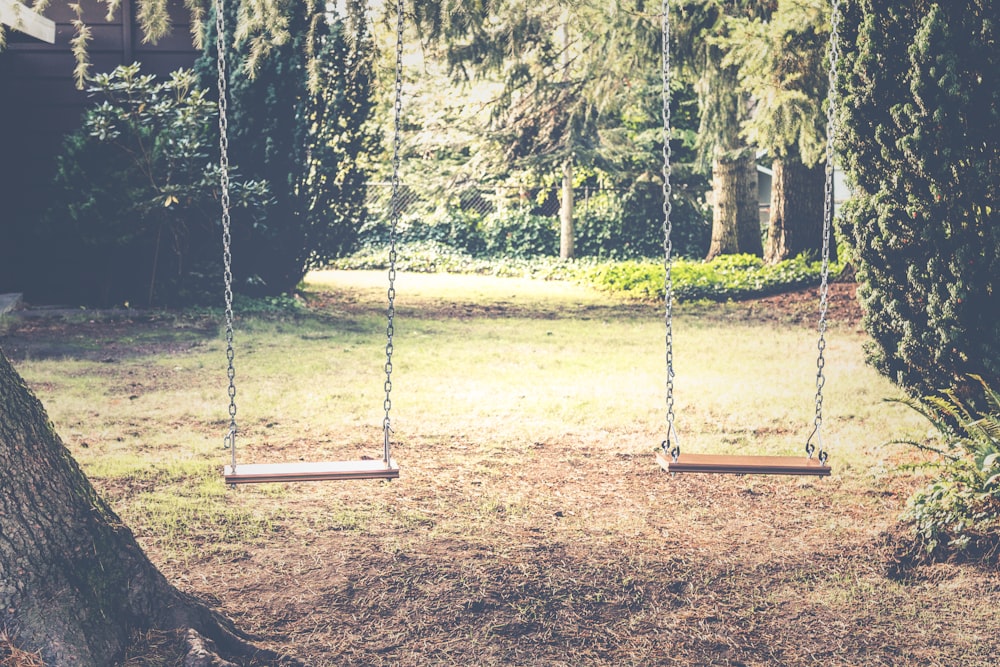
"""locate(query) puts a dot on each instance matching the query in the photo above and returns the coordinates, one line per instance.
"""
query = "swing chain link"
(227, 259)
(670, 445)
(395, 213)
(828, 211)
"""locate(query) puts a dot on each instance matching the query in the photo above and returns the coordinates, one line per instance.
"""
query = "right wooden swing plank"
(742, 465)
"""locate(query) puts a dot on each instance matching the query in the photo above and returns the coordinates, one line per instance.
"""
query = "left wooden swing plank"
(262, 473)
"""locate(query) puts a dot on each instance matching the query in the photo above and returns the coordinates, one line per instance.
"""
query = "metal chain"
(394, 203)
(227, 259)
(828, 204)
(671, 444)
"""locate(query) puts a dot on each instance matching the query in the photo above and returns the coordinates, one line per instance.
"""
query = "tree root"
(200, 652)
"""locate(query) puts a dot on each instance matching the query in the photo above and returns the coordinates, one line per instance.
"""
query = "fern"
(959, 511)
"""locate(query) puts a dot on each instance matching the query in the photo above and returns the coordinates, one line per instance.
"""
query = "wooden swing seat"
(263, 473)
(742, 465)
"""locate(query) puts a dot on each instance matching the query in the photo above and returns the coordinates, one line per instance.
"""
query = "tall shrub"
(297, 120)
(920, 113)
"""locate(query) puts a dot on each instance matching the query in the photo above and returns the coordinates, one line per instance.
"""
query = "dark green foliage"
(608, 225)
(304, 141)
(135, 200)
(519, 233)
(921, 139)
(629, 225)
(435, 257)
(459, 230)
(959, 512)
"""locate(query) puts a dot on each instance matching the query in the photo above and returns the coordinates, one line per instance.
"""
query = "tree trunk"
(74, 584)
(796, 223)
(736, 217)
(566, 235)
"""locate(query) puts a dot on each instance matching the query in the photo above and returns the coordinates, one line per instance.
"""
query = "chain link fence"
(608, 222)
(482, 200)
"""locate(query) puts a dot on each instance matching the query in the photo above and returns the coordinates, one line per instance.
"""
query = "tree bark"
(566, 233)
(796, 222)
(736, 217)
(74, 584)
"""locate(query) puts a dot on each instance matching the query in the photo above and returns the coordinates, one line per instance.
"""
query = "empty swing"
(385, 467)
(669, 454)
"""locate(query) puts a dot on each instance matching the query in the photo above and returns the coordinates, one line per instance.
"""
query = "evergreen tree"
(569, 70)
(921, 139)
(298, 106)
(782, 65)
(704, 45)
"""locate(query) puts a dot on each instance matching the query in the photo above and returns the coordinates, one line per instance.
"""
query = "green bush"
(135, 197)
(958, 513)
(519, 233)
(597, 226)
(455, 228)
(434, 257)
(725, 277)
(630, 226)
(608, 224)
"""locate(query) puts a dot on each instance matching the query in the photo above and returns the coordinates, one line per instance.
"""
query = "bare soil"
(572, 551)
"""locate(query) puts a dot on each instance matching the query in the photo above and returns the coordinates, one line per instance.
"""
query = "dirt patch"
(107, 336)
(585, 556)
(794, 307)
(803, 305)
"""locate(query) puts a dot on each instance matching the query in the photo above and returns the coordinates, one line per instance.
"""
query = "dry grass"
(531, 525)
(13, 656)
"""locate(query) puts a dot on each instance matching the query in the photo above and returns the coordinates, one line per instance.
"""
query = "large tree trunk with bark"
(796, 222)
(74, 584)
(736, 217)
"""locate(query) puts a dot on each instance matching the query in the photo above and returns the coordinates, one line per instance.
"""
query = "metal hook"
(810, 447)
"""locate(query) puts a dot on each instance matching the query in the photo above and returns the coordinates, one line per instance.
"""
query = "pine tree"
(298, 104)
(703, 42)
(782, 65)
(920, 110)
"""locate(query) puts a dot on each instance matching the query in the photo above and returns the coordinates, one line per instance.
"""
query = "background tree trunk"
(74, 584)
(566, 234)
(796, 223)
(736, 217)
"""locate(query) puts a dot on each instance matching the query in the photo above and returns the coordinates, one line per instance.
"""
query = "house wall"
(39, 104)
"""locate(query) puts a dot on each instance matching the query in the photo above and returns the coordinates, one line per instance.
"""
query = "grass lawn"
(531, 524)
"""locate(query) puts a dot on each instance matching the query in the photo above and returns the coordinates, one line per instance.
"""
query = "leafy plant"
(628, 224)
(136, 192)
(453, 227)
(959, 511)
(428, 256)
(519, 233)
(725, 277)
